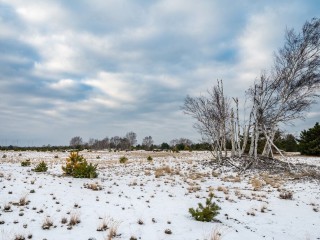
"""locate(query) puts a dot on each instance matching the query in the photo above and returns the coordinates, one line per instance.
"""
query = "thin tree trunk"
(267, 147)
(232, 134)
(238, 126)
(252, 142)
(256, 141)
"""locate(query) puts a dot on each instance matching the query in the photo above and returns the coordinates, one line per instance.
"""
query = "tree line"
(308, 144)
(129, 142)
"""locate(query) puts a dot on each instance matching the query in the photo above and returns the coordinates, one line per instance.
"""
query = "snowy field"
(144, 200)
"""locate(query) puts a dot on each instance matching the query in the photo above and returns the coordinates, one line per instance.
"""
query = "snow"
(131, 192)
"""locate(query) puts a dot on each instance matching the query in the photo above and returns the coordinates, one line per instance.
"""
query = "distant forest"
(308, 144)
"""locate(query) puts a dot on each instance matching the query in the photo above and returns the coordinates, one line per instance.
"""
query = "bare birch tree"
(292, 85)
(211, 114)
(277, 97)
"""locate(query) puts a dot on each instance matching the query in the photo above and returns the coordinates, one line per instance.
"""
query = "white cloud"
(57, 52)
(63, 84)
(40, 12)
(132, 59)
(114, 90)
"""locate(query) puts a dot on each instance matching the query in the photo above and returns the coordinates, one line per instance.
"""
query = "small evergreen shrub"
(78, 167)
(85, 170)
(123, 159)
(72, 161)
(41, 167)
(26, 163)
(205, 213)
(149, 158)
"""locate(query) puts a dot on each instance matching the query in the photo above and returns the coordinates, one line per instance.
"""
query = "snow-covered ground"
(143, 206)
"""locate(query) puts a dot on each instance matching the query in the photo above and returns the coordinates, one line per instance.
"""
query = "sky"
(102, 68)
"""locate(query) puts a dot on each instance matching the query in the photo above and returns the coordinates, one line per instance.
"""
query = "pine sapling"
(205, 213)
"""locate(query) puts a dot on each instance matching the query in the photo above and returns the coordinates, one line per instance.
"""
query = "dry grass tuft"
(232, 178)
(194, 188)
(64, 220)
(74, 219)
(216, 234)
(104, 225)
(215, 174)
(313, 174)
(159, 172)
(7, 208)
(47, 223)
(256, 183)
(272, 180)
(23, 201)
(263, 208)
(19, 237)
(223, 189)
(113, 231)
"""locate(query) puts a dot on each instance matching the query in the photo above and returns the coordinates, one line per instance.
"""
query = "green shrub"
(26, 163)
(149, 158)
(41, 167)
(205, 213)
(85, 170)
(78, 167)
(73, 160)
(123, 159)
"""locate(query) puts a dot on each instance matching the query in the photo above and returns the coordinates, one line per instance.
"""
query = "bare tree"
(115, 142)
(291, 87)
(147, 142)
(174, 142)
(76, 142)
(277, 97)
(212, 114)
(124, 144)
(105, 143)
(181, 144)
(132, 137)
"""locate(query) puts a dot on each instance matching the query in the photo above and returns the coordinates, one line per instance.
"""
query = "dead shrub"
(47, 223)
(93, 186)
(286, 195)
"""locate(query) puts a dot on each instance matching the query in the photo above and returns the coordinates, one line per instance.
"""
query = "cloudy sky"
(105, 67)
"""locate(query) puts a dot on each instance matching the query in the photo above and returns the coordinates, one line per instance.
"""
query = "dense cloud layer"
(103, 68)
